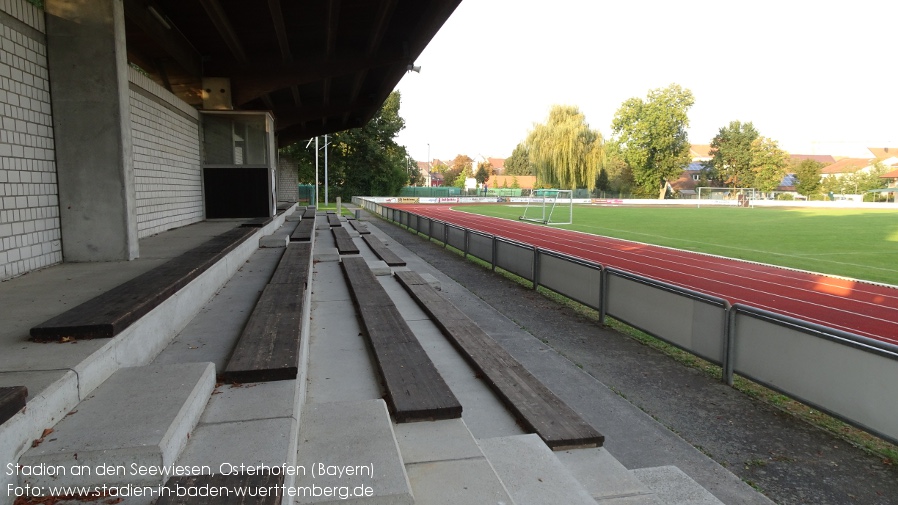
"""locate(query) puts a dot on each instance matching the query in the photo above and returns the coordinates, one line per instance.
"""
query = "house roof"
(822, 158)
(319, 66)
(497, 163)
(846, 166)
(883, 152)
(890, 175)
(700, 151)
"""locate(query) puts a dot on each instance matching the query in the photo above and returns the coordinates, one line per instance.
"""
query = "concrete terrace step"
(531, 472)
(673, 487)
(446, 466)
(357, 439)
(140, 415)
(605, 478)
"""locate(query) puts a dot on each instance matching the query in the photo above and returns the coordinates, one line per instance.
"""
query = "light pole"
(316, 168)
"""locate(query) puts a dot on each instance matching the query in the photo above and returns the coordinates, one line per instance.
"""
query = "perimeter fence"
(848, 376)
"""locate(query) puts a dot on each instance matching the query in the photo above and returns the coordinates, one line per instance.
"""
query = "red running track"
(865, 309)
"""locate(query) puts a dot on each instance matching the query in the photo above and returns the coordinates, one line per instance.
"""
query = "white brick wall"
(29, 210)
(166, 145)
(288, 191)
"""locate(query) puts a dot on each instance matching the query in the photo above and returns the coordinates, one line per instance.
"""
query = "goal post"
(739, 197)
(550, 206)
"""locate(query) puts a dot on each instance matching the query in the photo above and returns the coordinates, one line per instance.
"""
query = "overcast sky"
(818, 77)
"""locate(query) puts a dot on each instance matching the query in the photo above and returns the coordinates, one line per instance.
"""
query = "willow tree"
(565, 152)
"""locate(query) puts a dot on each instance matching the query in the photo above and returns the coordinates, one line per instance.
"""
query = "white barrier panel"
(480, 246)
(456, 237)
(850, 377)
(686, 319)
(578, 280)
(515, 257)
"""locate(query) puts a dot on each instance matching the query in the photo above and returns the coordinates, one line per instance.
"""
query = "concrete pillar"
(88, 67)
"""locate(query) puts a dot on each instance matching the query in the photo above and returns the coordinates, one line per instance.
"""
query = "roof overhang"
(319, 66)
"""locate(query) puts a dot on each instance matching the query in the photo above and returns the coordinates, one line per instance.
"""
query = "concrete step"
(139, 417)
(673, 487)
(446, 466)
(531, 472)
(605, 478)
(347, 449)
(252, 424)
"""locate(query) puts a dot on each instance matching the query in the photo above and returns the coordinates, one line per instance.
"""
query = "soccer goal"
(550, 206)
(740, 197)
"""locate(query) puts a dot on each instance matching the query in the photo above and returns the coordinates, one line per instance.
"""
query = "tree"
(769, 164)
(565, 152)
(731, 155)
(461, 164)
(519, 162)
(484, 171)
(652, 136)
(620, 175)
(602, 180)
(362, 161)
(807, 177)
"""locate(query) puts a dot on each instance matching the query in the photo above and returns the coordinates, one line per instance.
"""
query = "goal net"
(550, 206)
(739, 197)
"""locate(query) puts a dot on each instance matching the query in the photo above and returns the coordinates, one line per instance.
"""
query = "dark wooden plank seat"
(359, 226)
(12, 400)
(250, 485)
(345, 245)
(415, 390)
(383, 252)
(535, 405)
(309, 213)
(304, 230)
(107, 314)
(257, 222)
(293, 268)
(333, 220)
(268, 347)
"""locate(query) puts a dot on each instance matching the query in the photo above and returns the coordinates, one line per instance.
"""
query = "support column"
(88, 66)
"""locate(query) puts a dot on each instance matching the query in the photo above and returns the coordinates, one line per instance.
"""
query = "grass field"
(856, 243)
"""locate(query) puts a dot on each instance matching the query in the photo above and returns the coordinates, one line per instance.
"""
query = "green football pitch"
(856, 243)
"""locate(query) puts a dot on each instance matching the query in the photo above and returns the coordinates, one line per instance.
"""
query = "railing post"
(535, 275)
(495, 245)
(603, 295)
(729, 351)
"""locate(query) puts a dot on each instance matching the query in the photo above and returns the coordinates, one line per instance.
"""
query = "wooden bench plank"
(309, 213)
(359, 226)
(12, 400)
(304, 230)
(383, 252)
(333, 220)
(415, 389)
(107, 314)
(294, 265)
(345, 245)
(258, 222)
(535, 405)
(268, 348)
(249, 484)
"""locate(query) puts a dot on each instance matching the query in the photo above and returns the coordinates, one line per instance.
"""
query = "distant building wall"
(29, 204)
(166, 145)
(288, 180)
